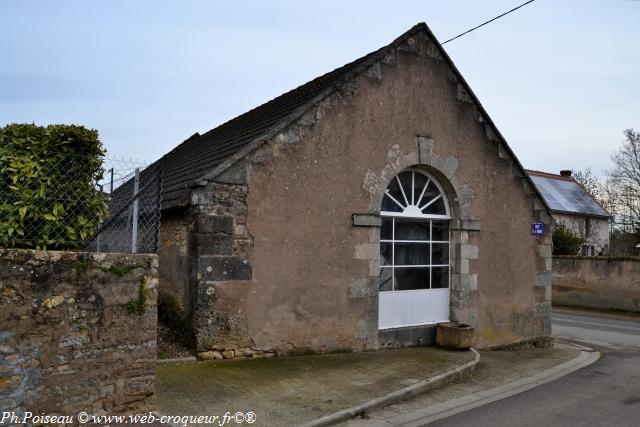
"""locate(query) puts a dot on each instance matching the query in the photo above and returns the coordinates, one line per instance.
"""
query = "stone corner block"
(366, 220)
(466, 225)
(363, 288)
(545, 251)
(469, 252)
(213, 243)
(367, 251)
(464, 282)
(223, 268)
(450, 165)
(542, 309)
(214, 224)
(425, 148)
(236, 174)
(543, 279)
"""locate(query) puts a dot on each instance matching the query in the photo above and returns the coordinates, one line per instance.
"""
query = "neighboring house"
(354, 213)
(574, 207)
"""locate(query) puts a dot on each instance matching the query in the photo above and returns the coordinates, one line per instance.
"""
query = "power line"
(485, 23)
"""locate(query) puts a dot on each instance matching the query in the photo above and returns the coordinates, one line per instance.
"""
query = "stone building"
(354, 213)
(574, 207)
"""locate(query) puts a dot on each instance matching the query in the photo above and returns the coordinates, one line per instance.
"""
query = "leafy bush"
(565, 241)
(49, 197)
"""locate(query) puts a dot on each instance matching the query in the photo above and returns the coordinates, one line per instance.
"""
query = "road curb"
(436, 412)
(446, 377)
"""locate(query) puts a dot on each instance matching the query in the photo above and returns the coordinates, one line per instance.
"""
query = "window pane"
(385, 253)
(387, 228)
(386, 277)
(412, 229)
(389, 205)
(439, 277)
(411, 278)
(431, 193)
(440, 253)
(405, 179)
(436, 208)
(440, 231)
(411, 254)
(420, 182)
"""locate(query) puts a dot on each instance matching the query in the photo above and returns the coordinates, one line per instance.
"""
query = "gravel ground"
(169, 346)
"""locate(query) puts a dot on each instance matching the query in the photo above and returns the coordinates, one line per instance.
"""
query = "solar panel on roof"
(568, 196)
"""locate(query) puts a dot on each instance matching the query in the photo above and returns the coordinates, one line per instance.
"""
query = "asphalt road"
(606, 393)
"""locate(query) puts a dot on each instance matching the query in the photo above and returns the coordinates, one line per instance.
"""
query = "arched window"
(414, 251)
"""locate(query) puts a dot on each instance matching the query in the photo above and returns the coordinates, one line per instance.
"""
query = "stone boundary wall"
(77, 332)
(597, 282)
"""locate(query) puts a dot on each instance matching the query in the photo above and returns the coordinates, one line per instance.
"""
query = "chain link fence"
(132, 224)
(118, 210)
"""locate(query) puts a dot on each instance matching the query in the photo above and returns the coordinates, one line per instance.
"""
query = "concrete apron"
(453, 374)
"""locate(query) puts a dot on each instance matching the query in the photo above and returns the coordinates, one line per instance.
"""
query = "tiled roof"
(200, 154)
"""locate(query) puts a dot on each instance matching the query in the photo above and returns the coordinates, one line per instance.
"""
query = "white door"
(414, 253)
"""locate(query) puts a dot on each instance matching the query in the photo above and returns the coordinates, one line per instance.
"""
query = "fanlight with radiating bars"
(414, 194)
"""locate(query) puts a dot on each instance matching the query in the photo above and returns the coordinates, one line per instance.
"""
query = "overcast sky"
(560, 78)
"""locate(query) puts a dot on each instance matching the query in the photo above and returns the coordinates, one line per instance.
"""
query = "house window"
(414, 238)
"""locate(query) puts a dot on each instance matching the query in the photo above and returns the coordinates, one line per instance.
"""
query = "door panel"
(410, 308)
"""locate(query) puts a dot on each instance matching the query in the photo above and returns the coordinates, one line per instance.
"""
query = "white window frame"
(413, 210)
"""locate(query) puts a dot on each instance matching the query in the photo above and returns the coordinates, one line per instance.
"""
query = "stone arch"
(445, 170)
(463, 281)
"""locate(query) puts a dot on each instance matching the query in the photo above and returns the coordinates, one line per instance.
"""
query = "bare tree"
(591, 184)
(625, 178)
(625, 174)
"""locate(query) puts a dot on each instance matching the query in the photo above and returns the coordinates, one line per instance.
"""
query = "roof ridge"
(344, 74)
(549, 174)
(345, 67)
(203, 157)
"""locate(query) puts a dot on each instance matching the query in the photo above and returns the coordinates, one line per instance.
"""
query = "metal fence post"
(98, 226)
(134, 213)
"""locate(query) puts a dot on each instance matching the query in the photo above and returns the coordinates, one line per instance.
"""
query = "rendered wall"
(306, 278)
(597, 282)
(598, 235)
(77, 332)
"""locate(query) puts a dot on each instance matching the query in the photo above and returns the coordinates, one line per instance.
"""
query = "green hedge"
(49, 197)
(565, 241)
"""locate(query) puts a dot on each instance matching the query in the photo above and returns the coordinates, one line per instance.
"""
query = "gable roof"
(206, 155)
(564, 194)
(200, 154)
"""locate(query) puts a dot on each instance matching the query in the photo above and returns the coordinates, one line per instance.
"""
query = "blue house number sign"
(537, 228)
